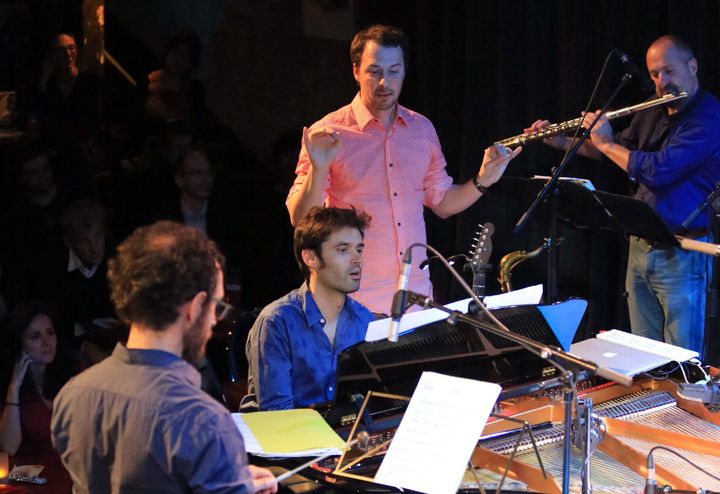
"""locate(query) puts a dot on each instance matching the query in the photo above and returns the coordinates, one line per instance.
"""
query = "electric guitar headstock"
(480, 255)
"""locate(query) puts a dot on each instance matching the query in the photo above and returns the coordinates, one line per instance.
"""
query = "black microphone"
(399, 303)
(633, 70)
(650, 479)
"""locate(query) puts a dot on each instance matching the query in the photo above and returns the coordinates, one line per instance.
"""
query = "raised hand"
(322, 145)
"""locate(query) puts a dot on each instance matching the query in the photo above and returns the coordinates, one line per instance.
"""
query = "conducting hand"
(263, 481)
(495, 161)
(322, 145)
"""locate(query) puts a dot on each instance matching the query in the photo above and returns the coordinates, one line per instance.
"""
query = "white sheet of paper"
(438, 433)
(378, 330)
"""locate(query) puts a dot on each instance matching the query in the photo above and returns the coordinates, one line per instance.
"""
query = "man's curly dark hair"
(159, 268)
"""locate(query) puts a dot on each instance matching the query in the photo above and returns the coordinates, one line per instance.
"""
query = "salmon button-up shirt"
(390, 174)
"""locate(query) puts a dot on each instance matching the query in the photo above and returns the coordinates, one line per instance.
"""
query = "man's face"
(200, 331)
(63, 54)
(670, 70)
(89, 245)
(340, 266)
(36, 175)
(195, 178)
(380, 74)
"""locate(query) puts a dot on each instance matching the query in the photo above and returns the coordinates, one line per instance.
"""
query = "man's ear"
(693, 65)
(195, 306)
(356, 72)
(310, 259)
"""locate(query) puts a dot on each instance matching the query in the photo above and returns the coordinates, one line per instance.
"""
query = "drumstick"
(362, 436)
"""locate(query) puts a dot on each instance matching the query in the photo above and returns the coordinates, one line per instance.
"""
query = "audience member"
(196, 204)
(84, 297)
(172, 92)
(68, 103)
(31, 239)
(34, 371)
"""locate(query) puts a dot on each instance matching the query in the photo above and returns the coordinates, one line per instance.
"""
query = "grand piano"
(634, 419)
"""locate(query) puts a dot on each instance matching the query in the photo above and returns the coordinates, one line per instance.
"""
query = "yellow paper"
(292, 430)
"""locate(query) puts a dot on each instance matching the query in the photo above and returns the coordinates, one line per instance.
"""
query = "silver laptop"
(625, 360)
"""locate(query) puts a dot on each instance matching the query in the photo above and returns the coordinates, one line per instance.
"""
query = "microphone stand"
(702, 206)
(557, 172)
(713, 286)
(550, 187)
(554, 356)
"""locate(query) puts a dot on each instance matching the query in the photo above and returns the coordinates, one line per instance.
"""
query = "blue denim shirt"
(138, 422)
(292, 363)
(675, 159)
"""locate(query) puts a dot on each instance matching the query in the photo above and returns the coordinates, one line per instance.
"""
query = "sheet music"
(378, 330)
(438, 433)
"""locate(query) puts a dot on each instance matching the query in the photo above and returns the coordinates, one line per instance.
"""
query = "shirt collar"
(200, 215)
(74, 263)
(363, 115)
(312, 311)
(157, 358)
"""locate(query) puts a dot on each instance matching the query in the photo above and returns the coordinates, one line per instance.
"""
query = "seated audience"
(293, 346)
(172, 92)
(68, 103)
(35, 370)
(138, 421)
(31, 241)
(84, 297)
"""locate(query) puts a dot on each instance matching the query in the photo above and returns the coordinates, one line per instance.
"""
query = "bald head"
(673, 68)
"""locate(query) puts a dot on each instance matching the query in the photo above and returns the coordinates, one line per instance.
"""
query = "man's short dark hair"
(319, 224)
(384, 36)
(159, 268)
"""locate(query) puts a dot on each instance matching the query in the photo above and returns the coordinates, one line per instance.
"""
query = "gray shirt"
(138, 422)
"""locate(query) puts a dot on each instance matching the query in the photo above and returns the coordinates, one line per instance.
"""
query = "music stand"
(635, 217)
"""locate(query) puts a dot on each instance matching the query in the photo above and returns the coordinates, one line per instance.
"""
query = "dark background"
(480, 70)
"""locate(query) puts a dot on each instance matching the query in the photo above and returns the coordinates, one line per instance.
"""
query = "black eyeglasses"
(222, 308)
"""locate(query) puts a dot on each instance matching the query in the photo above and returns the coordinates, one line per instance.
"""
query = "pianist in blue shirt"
(293, 346)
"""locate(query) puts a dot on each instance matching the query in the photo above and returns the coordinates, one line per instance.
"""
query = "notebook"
(620, 358)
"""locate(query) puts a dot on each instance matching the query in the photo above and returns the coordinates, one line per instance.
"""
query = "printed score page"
(437, 435)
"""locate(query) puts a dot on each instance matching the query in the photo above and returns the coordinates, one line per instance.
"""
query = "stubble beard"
(194, 340)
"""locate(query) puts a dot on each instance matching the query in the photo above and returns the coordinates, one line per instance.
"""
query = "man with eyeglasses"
(294, 344)
(138, 421)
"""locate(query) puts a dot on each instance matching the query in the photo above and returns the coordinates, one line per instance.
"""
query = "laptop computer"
(625, 360)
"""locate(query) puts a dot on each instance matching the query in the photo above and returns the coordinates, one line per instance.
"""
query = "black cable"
(683, 458)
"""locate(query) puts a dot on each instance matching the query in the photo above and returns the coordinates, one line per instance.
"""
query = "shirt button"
(322, 321)
(399, 224)
(401, 253)
(390, 165)
(395, 194)
(330, 388)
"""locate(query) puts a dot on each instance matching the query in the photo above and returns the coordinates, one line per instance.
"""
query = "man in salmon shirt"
(384, 159)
